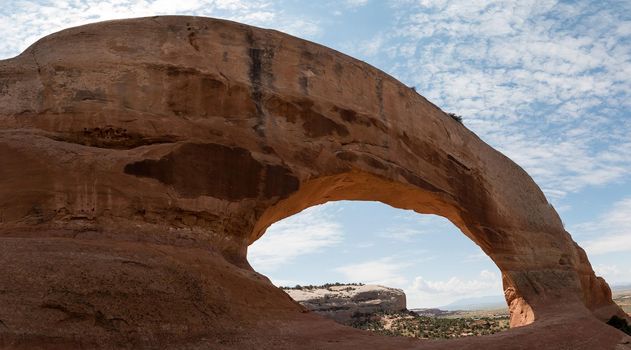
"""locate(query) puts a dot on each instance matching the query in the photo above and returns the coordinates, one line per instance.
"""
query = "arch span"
(143, 156)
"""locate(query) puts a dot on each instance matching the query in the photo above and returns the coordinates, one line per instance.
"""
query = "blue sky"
(546, 82)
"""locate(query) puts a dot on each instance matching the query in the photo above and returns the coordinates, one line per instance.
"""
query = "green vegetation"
(428, 327)
(455, 117)
(323, 286)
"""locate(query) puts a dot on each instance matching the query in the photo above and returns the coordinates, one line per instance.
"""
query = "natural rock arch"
(141, 157)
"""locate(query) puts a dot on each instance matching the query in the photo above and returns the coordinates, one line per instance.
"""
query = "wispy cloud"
(306, 233)
(385, 271)
(441, 292)
(356, 3)
(24, 22)
(609, 233)
(402, 233)
(614, 274)
(480, 256)
(421, 292)
(545, 82)
(411, 225)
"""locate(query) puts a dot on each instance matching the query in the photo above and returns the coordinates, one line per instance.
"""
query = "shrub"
(455, 117)
(324, 286)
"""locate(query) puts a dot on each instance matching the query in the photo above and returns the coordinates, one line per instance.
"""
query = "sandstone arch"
(141, 158)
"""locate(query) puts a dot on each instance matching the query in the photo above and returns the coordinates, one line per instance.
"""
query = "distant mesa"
(141, 157)
(345, 303)
(382, 310)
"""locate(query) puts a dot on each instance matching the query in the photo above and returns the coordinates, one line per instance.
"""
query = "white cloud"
(24, 22)
(284, 282)
(539, 80)
(420, 292)
(436, 293)
(370, 47)
(402, 233)
(306, 233)
(299, 27)
(480, 256)
(610, 243)
(356, 3)
(385, 271)
(411, 225)
(609, 233)
(614, 274)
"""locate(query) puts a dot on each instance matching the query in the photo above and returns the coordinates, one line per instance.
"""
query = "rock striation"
(141, 157)
(343, 303)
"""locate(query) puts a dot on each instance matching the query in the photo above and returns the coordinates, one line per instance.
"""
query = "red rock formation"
(141, 157)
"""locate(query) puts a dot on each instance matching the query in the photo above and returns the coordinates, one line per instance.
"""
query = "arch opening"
(215, 149)
(362, 186)
(383, 269)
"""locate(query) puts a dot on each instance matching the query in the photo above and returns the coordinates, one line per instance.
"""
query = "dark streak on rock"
(338, 69)
(418, 181)
(111, 138)
(192, 40)
(491, 238)
(219, 171)
(109, 324)
(350, 116)
(70, 315)
(347, 115)
(4, 85)
(257, 65)
(38, 215)
(191, 92)
(347, 156)
(99, 318)
(135, 263)
(453, 159)
(255, 79)
(317, 125)
(303, 81)
(374, 162)
(174, 70)
(314, 124)
(87, 95)
(470, 191)
(279, 181)
(379, 89)
(309, 65)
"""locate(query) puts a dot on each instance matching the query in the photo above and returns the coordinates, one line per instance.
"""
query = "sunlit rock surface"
(141, 157)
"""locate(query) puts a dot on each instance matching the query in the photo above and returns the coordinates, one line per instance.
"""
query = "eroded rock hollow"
(141, 157)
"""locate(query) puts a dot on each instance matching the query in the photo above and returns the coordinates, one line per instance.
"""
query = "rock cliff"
(140, 158)
(343, 303)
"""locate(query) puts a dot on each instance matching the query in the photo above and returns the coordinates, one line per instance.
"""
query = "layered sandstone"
(343, 303)
(141, 157)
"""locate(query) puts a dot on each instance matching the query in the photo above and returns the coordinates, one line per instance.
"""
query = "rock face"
(342, 303)
(141, 157)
